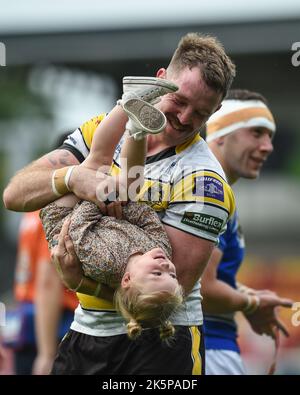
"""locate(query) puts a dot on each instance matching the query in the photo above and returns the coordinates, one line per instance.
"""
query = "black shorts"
(79, 353)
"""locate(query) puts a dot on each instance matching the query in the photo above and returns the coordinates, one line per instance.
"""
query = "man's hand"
(96, 186)
(265, 319)
(65, 259)
(87, 184)
(70, 270)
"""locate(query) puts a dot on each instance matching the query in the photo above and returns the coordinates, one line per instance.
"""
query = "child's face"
(151, 272)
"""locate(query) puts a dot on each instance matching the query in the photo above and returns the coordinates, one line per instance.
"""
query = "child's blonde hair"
(148, 310)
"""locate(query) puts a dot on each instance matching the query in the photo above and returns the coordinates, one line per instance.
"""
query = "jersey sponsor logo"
(209, 187)
(205, 222)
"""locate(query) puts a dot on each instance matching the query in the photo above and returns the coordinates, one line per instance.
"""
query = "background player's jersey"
(186, 186)
(221, 329)
(33, 251)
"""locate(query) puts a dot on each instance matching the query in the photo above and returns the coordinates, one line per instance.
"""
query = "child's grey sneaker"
(146, 88)
(144, 117)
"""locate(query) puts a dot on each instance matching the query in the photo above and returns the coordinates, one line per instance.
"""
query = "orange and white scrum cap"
(236, 114)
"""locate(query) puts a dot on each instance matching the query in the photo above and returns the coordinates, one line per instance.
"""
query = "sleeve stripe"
(212, 171)
(185, 231)
(116, 164)
(185, 175)
(204, 203)
(78, 155)
(84, 140)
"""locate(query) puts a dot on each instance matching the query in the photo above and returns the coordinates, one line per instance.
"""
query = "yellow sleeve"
(201, 203)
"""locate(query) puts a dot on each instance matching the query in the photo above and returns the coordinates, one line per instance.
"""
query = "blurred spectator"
(45, 309)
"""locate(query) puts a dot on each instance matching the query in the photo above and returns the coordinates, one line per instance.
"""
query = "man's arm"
(265, 319)
(219, 297)
(30, 189)
(190, 256)
(48, 305)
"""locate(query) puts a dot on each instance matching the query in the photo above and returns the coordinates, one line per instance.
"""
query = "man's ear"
(218, 108)
(220, 140)
(161, 73)
(125, 282)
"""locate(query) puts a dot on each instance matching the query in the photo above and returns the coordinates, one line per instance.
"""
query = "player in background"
(240, 135)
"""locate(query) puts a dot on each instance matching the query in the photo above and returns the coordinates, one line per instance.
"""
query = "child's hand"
(88, 184)
(114, 209)
(65, 259)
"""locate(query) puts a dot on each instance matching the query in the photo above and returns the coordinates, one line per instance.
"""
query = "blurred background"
(64, 64)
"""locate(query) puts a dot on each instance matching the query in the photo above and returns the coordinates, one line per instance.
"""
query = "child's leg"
(105, 140)
(135, 105)
(132, 160)
(143, 118)
(107, 136)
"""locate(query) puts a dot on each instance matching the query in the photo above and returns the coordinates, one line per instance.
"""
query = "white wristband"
(252, 304)
(60, 180)
(68, 176)
(55, 191)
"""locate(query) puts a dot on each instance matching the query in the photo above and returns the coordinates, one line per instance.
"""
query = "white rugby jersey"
(187, 187)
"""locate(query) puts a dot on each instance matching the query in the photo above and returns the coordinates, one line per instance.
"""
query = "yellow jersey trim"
(88, 129)
(91, 302)
(192, 141)
(196, 356)
(184, 191)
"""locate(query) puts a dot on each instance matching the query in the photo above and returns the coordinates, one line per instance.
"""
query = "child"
(132, 254)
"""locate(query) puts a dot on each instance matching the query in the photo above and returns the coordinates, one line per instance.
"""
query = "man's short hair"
(208, 54)
(244, 94)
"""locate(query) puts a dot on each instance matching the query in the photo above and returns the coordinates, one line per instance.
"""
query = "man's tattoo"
(60, 158)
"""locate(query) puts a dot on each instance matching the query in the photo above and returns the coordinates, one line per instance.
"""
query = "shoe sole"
(150, 81)
(145, 116)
